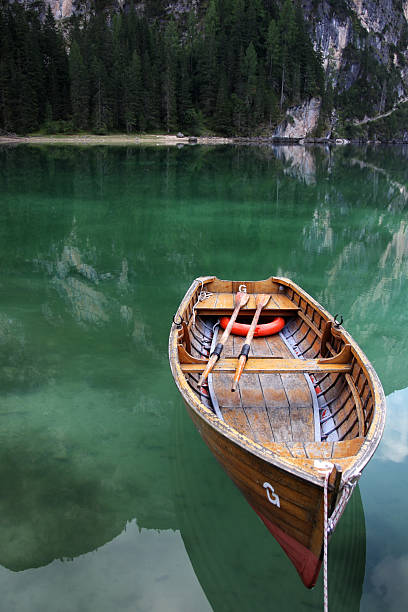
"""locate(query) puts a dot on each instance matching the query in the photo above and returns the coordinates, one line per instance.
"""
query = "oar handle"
(211, 363)
(242, 359)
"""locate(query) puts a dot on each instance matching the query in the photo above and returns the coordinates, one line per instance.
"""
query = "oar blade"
(241, 299)
(261, 300)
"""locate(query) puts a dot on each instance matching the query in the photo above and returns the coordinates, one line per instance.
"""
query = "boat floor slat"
(269, 407)
(260, 425)
(236, 418)
(222, 383)
(281, 424)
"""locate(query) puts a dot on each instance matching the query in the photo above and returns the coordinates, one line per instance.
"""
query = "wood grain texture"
(223, 303)
(262, 365)
(265, 439)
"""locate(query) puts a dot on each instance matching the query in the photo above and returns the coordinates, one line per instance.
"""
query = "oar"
(261, 302)
(240, 300)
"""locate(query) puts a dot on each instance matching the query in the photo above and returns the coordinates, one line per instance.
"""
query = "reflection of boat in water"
(237, 566)
(307, 419)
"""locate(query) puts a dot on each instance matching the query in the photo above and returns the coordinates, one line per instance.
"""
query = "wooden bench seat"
(270, 365)
(223, 304)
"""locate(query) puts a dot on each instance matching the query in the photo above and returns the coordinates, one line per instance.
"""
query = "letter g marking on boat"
(242, 288)
(271, 495)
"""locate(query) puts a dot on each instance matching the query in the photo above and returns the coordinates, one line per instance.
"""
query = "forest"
(230, 68)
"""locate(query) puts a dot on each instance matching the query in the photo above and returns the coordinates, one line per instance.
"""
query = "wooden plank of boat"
(265, 437)
(266, 365)
(279, 305)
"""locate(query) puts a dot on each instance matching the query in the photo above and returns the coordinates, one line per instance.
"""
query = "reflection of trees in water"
(322, 216)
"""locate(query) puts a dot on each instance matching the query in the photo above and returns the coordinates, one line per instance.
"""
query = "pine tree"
(249, 74)
(119, 67)
(222, 71)
(101, 111)
(222, 118)
(133, 102)
(207, 65)
(184, 89)
(55, 68)
(80, 88)
(152, 90)
(170, 76)
(273, 53)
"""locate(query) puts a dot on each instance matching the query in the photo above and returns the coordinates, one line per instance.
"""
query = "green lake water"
(109, 500)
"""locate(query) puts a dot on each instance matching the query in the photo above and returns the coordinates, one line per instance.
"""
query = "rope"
(325, 468)
(203, 295)
(325, 549)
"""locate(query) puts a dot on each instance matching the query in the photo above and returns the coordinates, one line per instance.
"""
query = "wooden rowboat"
(307, 418)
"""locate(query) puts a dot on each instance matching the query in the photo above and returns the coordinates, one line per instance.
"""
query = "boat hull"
(290, 507)
(305, 562)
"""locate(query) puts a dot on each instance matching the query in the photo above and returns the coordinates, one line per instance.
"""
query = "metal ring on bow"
(178, 324)
(336, 322)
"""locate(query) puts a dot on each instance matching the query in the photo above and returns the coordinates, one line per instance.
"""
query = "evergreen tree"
(249, 70)
(101, 110)
(207, 66)
(55, 68)
(80, 88)
(230, 68)
(222, 118)
(152, 91)
(170, 76)
(133, 101)
(273, 53)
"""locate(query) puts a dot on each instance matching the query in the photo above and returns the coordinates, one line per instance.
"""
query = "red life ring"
(266, 329)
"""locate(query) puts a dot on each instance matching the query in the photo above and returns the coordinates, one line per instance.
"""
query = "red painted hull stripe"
(306, 563)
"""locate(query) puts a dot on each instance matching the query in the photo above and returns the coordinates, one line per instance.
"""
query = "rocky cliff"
(364, 48)
(351, 32)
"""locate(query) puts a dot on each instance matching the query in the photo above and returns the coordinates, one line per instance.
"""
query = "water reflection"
(97, 247)
(384, 494)
(76, 464)
(394, 446)
(139, 570)
(299, 162)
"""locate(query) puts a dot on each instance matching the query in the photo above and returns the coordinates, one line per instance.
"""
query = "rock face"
(61, 8)
(300, 121)
(340, 27)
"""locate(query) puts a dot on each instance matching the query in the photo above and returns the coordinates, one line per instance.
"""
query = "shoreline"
(115, 139)
(173, 140)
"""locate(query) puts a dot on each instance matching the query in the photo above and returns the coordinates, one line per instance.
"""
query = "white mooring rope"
(203, 295)
(325, 548)
(325, 468)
